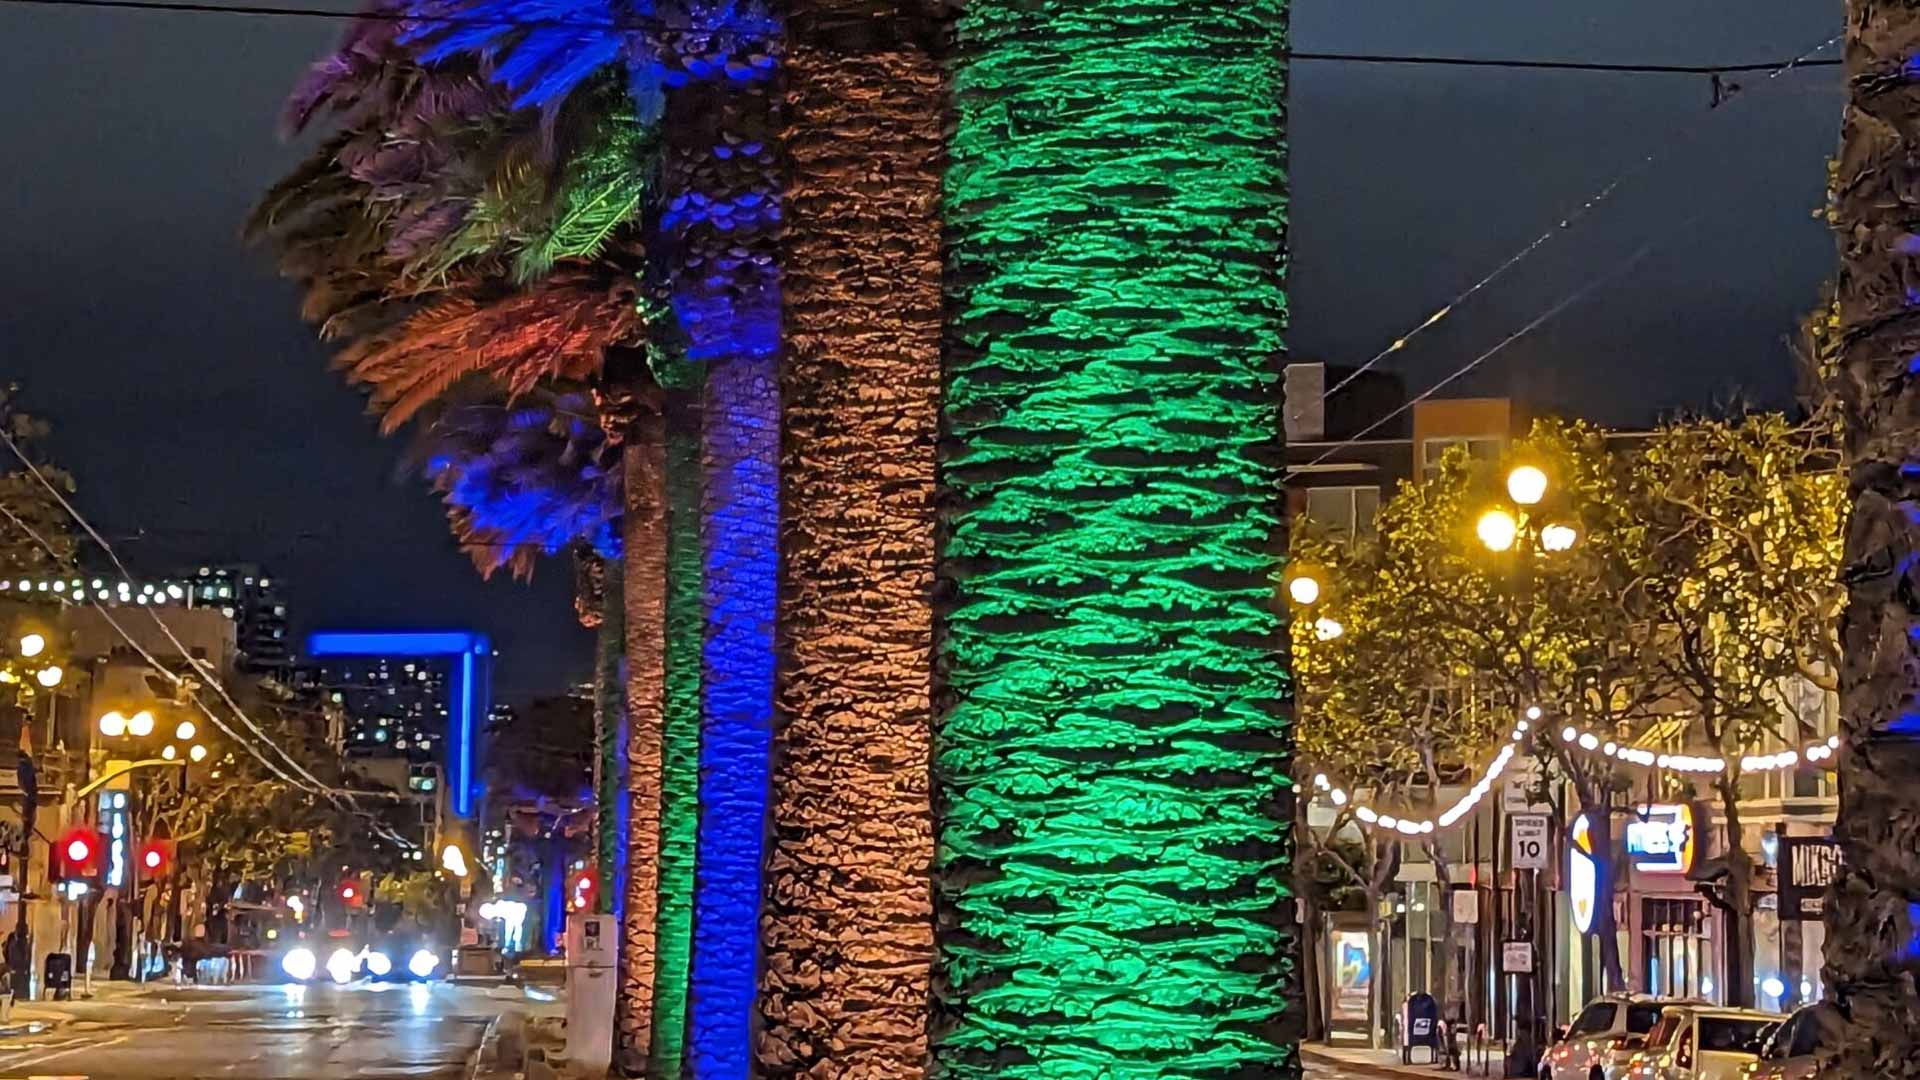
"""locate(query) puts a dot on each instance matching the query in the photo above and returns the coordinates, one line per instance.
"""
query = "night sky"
(203, 423)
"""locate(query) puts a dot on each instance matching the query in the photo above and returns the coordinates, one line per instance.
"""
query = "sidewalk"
(1359, 1059)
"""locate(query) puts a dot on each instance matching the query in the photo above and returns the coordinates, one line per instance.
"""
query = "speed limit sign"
(1529, 841)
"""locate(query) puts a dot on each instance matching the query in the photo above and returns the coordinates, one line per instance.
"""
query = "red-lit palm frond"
(558, 328)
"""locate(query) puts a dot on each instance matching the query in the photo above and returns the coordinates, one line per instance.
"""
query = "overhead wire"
(657, 24)
(1567, 222)
(340, 797)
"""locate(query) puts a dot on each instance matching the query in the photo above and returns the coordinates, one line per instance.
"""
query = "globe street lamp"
(140, 724)
(113, 724)
(1527, 485)
(32, 645)
(1304, 589)
(1497, 530)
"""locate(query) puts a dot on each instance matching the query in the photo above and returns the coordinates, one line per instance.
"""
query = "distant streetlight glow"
(1327, 629)
(198, 752)
(49, 676)
(113, 725)
(32, 645)
(1304, 590)
(1497, 530)
(140, 724)
(170, 752)
(184, 731)
(1526, 485)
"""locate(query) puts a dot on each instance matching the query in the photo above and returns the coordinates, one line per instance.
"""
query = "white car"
(1702, 1042)
(1794, 1050)
(1603, 1034)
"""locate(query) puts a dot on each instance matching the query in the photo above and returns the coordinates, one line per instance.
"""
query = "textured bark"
(1113, 743)
(610, 740)
(1873, 911)
(644, 554)
(849, 919)
(680, 741)
(719, 245)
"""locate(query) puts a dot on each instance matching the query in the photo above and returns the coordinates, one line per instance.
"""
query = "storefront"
(1675, 935)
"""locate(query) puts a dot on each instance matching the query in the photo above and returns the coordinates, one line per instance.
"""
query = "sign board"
(1518, 788)
(1808, 864)
(1516, 957)
(1529, 849)
(1466, 907)
(1662, 839)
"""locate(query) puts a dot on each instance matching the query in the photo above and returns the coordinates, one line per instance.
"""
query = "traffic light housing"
(583, 887)
(352, 892)
(156, 858)
(77, 856)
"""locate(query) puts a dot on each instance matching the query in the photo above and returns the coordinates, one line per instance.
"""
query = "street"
(415, 1031)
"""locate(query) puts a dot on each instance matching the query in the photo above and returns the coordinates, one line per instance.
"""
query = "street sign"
(1808, 864)
(1466, 906)
(1517, 790)
(1529, 851)
(1516, 957)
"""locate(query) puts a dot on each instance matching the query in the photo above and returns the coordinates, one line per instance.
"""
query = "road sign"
(1516, 957)
(1529, 851)
(1517, 790)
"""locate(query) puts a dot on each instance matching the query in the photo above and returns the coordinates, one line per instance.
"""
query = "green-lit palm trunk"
(1113, 746)
(1873, 913)
(848, 921)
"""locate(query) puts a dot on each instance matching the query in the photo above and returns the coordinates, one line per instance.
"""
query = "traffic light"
(156, 858)
(76, 856)
(582, 888)
(352, 892)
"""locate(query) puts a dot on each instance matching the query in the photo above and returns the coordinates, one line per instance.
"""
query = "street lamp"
(1527, 485)
(184, 731)
(1304, 589)
(32, 645)
(140, 724)
(197, 752)
(113, 724)
(1497, 530)
(49, 676)
(1558, 537)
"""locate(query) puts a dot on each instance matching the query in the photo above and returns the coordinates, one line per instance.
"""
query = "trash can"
(59, 978)
(1419, 1026)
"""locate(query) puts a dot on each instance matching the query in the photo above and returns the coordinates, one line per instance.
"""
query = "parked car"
(1795, 1047)
(1603, 1032)
(1702, 1042)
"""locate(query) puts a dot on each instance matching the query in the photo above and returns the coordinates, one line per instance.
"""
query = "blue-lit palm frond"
(525, 476)
(543, 50)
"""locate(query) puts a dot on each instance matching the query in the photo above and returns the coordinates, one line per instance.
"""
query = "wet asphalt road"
(269, 1033)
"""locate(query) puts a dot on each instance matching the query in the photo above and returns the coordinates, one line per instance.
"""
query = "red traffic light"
(352, 893)
(156, 857)
(77, 855)
(582, 888)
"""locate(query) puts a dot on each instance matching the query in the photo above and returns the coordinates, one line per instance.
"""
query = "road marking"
(75, 1048)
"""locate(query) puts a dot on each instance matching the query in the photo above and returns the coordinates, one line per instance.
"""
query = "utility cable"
(1565, 224)
(657, 24)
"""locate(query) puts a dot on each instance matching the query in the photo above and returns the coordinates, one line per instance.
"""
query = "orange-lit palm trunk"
(848, 918)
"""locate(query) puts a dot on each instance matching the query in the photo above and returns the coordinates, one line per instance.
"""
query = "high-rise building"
(410, 702)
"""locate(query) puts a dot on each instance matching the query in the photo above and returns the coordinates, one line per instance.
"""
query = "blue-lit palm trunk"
(1114, 742)
(718, 235)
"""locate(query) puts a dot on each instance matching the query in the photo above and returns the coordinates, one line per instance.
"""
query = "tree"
(1380, 707)
(1873, 913)
(1738, 570)
(1113, 732)
(848, 923)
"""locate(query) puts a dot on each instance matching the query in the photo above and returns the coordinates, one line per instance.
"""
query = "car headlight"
(341, 965)
(422, 963)
(299, 964)
(379, 964)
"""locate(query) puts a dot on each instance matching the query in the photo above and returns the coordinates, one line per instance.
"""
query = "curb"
(1370, 1068)
(488, 1040)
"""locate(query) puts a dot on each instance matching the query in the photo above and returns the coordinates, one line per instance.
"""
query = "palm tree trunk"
(1114, 740)
(644, 555)
(680, 739)
(1873, 912)
(609, 730)
(849, 921)
(719, 244)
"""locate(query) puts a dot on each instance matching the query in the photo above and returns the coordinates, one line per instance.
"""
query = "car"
(1794, 1049)
(1702, 1042)
(1607, 1028)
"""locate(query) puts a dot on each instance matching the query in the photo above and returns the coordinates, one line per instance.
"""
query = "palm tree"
(1113, 742)
(848, 926)
(1873, 911)
(448, 234)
